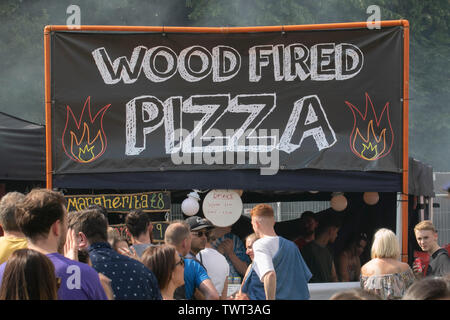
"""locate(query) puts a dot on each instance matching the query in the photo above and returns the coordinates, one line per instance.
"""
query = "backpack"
(180, 292)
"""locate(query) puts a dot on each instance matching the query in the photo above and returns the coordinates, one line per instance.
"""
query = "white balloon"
(190, 206)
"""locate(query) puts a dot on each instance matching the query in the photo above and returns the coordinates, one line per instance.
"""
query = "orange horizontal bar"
(346, 25)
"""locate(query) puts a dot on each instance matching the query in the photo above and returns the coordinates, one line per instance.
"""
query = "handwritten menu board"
(156, 204)
(159, 229)
(147, 201)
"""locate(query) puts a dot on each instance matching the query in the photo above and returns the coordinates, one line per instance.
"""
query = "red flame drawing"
(85, 136)
(367, 141)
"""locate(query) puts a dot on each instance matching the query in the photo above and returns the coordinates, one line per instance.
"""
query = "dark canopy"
(289, 181)
(22, 149)
(420, 178)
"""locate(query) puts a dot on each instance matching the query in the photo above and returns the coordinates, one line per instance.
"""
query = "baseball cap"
(197, 223)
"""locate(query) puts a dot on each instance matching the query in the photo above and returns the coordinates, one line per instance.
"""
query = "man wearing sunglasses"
(200, 229)
(198, 242)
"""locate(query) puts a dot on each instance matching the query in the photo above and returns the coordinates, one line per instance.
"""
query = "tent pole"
(279, 211)
(405, 140)
(398, 220)
(48, 105)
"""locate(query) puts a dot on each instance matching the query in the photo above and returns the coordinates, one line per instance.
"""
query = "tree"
(429, 116)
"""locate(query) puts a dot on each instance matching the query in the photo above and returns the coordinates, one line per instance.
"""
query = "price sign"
(222, 207)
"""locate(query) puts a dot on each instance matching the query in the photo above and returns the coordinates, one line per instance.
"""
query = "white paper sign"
(222, 207)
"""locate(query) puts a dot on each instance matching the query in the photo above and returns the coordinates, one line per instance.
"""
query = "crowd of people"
(47, 253)
(384, 276)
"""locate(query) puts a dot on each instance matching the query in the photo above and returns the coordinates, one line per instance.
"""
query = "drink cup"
(418, 265)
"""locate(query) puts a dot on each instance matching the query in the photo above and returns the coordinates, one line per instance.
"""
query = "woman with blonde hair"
(251, 288)
(385, 275)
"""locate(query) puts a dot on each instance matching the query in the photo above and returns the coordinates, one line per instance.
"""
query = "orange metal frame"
(350, 25)
(405, 25)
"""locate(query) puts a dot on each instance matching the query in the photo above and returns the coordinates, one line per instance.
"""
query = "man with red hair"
(278, 262)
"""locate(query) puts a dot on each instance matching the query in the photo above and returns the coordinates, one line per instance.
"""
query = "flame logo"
(378, 140)
(82, 147)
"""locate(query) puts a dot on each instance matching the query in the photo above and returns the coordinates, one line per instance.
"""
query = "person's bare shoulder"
(404, 266)
(367, 269)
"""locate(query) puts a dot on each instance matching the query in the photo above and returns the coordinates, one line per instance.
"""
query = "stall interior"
(357, 218)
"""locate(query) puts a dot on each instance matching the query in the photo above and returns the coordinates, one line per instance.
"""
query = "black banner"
(133, 102)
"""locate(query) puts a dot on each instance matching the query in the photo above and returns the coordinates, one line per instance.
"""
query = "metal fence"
(441, 218)
(292, 210)
(283, 210)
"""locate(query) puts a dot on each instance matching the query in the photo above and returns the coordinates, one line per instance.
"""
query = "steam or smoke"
(22, 49)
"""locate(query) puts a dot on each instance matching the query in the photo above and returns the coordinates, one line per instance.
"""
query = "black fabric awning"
(296, 180)
(289, 182)
(420, 178)
(22, 149)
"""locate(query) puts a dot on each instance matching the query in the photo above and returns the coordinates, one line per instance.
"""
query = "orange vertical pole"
(405, 140)
(48, 106)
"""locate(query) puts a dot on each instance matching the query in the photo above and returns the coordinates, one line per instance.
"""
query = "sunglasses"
(201, 233)
(181, 262)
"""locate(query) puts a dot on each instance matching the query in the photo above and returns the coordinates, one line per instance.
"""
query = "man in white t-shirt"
(216, 265)
(277, 262)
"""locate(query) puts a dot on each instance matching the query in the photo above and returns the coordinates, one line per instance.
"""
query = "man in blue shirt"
(130, 279)
(195, 277)
(233, 249)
